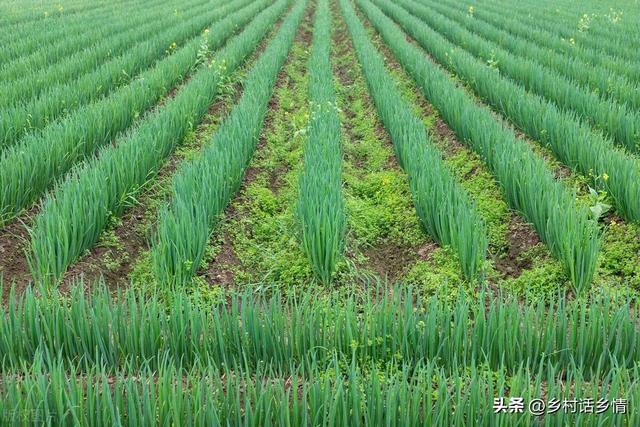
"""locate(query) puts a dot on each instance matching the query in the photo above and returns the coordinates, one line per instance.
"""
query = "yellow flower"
(605, 176)
(206, 31)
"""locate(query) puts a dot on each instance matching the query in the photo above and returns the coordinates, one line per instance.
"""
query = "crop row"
(136, 329)
(37, 81)
(18, 14)
(578, 27)
(597, 78)
(573, 142)
(524, 27)
(566, 13)
(77, 211)
(25, 116)
(25, 38)
(336, 396)
(88, 47)
(529, 185)
(616, 120)
(28, 168)
(444, 208)
(203, 187)
(321, 206)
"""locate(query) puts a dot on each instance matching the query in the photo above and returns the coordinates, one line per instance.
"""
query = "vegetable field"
(320, 212)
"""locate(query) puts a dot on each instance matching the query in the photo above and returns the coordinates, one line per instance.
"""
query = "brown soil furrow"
(14, 243)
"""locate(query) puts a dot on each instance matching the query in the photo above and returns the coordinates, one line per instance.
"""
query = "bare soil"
(521, 237)
(14, 243)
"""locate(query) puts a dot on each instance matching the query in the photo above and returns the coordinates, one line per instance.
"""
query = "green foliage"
(439, 276)
(141, 275)
(463, 163)
(38, 63)
(261, 226)
(603, 34)
(203, 188)
(620, 261)
(571, 140)
(338, 395)
(28, 168)
(265, 240)
(380, 207)
(276, 347)
(74, 83)
(380, 212)
(529, 185)
(617, 120)
(445, 210)
(541, 282)
(485, 191)
(29, 40)
(507, 32)
(598, 206)
(141, 329)
(320, 205)
(72, 219)
(554, 37)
